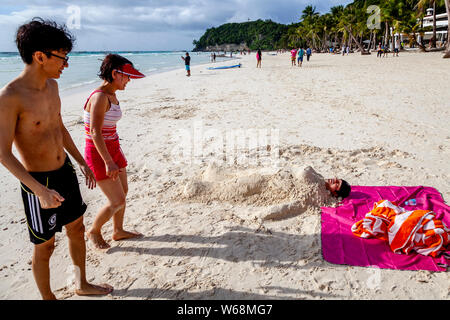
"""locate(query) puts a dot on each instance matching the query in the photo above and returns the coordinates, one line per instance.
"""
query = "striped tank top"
(112, 116)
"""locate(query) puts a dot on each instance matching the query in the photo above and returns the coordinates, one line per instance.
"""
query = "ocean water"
(84, 66)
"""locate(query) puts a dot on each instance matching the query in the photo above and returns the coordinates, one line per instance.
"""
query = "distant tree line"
(343, 25)
(265, 35)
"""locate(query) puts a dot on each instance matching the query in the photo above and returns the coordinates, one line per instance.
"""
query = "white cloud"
(131, 21)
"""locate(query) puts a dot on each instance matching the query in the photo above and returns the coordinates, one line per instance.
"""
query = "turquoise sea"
(84, 66)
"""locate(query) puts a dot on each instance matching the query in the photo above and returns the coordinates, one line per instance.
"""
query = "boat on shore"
(225, 67)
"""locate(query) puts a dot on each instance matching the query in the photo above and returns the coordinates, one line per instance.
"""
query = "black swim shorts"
(44, 223)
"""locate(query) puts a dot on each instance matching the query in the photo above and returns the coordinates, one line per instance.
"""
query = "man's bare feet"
(123, 235)
(97, 240)
(94, 290)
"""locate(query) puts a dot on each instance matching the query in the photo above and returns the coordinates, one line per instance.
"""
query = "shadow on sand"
(263, 248)
(274, 249)
(214, 294)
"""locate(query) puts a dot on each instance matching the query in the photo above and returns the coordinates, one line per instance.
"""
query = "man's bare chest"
(39, 114)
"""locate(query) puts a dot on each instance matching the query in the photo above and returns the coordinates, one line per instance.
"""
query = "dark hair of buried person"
(344, 190)
(42, 35)
(110, 63)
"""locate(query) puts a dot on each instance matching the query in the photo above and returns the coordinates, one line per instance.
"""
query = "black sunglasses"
(66, 59)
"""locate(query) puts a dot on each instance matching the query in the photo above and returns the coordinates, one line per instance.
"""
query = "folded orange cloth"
(405, 231)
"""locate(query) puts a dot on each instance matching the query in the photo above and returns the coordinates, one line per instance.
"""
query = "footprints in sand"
(346, 162)
(166, 107)
(174, 112)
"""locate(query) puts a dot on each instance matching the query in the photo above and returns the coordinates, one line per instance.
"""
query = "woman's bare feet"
(94, 290)
(123, 235)
(98, 241)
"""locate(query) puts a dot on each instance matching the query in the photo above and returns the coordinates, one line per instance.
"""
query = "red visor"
(128, 70)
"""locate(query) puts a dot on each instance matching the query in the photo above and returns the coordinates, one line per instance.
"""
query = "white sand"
(370, 121)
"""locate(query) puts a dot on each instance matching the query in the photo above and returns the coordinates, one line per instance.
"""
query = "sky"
(146, 25)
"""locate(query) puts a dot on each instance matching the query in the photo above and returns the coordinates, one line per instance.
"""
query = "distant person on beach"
(308, 53)
(380, 51)
(30, 117)
(300, 54)
(293, 56)
(258, 58)
(346, 50)
(103, 153)
(385, 51)
(396, 48)
(187, 63)
(214, 57)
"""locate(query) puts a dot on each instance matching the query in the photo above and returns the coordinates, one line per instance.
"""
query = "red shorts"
(95, 161)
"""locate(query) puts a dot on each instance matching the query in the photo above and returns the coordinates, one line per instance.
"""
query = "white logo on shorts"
(52, 221)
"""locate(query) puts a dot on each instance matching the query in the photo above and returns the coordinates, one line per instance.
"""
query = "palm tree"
(412, 26)
(336, 13)
(324, 26)
(293, 37)
(349, 23)
(421, 5)
(447, 52)
(392, 12)
(309, 30)
(309, 12)
(309, 27)
(433, 39)
(404, 18)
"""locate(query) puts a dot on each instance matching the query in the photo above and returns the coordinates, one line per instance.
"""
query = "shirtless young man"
(30, 117)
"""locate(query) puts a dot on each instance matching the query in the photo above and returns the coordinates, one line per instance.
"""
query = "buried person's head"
(338, 187)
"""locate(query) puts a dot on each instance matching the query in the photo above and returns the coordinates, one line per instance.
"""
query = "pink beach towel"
(340, 246)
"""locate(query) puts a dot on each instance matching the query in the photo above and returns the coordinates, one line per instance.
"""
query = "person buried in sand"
(103, 153)
(30, 117)
(287, 184)
(338, 187)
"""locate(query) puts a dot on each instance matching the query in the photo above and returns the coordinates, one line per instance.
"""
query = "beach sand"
(373, 122)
